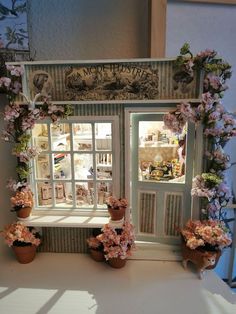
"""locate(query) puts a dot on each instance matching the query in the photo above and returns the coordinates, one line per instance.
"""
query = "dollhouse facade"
(114, 143)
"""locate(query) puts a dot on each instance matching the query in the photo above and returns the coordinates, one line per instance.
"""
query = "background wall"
(88, 29)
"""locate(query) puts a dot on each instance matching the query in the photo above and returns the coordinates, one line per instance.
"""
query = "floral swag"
(218, 127)
(20, 119)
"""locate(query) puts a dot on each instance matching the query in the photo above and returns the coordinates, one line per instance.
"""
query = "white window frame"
(75, 211)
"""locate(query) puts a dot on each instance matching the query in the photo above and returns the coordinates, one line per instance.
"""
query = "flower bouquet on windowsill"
(23, 240)
(202, 242)
(118, 244)
(116, 207)
(96, 249)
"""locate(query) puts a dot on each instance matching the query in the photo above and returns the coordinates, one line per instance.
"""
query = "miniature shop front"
(114, 143)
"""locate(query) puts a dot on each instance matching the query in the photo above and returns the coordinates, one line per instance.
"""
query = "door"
(162, 169)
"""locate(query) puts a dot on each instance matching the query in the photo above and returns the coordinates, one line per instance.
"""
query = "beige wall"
(7, 170)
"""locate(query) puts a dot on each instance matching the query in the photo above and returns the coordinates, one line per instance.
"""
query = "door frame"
(197, 161)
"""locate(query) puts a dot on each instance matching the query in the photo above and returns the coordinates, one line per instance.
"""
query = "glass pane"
(44, 194)
(63, 194)
(161, 153)
(61, 166)
(60, 136)
(42, 167)
(104, 166)
(84, 194)
(104, 190)
(83, 164)
(103, 136)
(82, 136)
(40, 136)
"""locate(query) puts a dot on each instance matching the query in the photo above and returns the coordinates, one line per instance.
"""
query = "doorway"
(161, 164)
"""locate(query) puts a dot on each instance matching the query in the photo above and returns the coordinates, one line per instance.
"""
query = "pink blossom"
(12, 112)
(16, 87)
(200, 233)
(206, 53)
(5, 81)
(15, 70)
(19, 232)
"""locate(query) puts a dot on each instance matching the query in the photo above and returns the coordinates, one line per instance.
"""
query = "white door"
(162, 168)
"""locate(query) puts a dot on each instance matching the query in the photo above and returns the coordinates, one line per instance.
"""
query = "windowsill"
(65, 221)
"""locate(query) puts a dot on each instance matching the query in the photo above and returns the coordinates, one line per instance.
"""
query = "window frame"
(76, 211)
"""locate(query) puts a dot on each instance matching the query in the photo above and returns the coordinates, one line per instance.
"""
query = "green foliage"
(185, 49)
(23, 171)
(23, 143)
(211, 179)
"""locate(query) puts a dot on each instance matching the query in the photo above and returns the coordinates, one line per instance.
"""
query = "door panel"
(161, 178)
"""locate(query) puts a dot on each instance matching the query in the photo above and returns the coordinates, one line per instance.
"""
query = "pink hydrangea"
(19, 232)
(207, 232)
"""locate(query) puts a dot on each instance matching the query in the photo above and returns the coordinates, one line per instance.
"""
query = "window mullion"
(72, 166)
(51, 160)
(94, 166)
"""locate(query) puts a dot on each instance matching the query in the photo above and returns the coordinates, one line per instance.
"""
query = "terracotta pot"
(24, 212)
(117, 262)
(196, 256)
(117, 213)
(96, 255)
(24, 254)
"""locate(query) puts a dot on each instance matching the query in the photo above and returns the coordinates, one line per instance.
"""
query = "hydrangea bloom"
(211, 233)
(18, 232)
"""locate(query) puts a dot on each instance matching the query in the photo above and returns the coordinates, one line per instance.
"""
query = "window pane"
(104, 190)
(40, 136)
(63, 194)
(44, 194)
(103, 136)
(61, 166)
(84, 194)
(60, 136)
(104, 166)
(42, 167)
(82, 136)
(83, 164)
(161, 153)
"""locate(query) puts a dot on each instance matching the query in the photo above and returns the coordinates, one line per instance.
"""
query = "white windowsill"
(65, 221)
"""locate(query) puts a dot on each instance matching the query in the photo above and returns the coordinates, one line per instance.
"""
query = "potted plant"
(202, 242)
(117, 243)
(23, 240)
(22, 203)
(116, 207)
(96, 249)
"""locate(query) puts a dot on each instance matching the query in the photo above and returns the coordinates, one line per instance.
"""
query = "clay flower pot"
(116, 213)
(196, 256)
(116, 262)
(24, 212)
(24, 254)
(97, 255)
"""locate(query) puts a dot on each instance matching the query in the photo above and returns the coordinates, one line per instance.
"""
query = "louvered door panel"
(147, 212)
(173, 213)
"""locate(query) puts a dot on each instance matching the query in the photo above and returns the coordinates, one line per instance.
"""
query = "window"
(78, 164)
(161, 153)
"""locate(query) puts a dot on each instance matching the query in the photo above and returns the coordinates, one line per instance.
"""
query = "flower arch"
(218, 127)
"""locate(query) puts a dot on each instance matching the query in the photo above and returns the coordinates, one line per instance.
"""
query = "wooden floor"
(75, 284)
